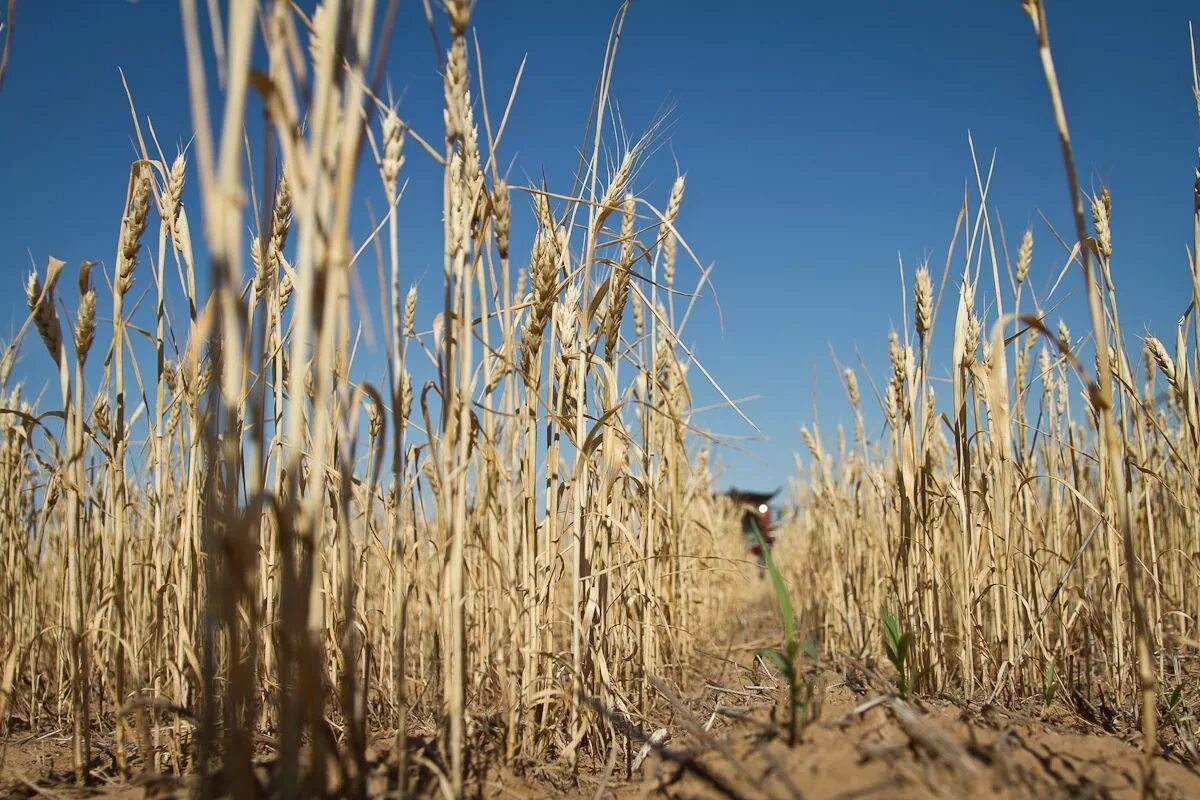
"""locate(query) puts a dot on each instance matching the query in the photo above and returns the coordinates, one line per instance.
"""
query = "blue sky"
(821, 143)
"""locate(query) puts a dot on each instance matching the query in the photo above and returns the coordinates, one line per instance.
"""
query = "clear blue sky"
(821, 142)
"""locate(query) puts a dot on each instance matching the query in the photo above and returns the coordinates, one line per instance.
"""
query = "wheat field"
(235, 560)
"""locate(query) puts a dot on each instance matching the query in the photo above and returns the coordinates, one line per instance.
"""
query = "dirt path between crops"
(723, 740)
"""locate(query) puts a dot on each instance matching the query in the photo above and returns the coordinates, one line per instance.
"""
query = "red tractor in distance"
(755, 510)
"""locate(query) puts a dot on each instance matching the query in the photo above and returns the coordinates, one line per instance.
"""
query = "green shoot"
(1049, 684)
(899, 651)
(800, 688)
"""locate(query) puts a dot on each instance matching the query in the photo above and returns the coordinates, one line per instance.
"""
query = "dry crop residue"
(866, 743)
(724, 741)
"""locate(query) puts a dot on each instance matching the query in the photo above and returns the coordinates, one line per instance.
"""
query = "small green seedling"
(1171, 707)
(1049, 684)
(800, 688)
(899, 652)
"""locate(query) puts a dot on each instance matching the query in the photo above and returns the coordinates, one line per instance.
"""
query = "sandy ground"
(881, 748)
(723, 740)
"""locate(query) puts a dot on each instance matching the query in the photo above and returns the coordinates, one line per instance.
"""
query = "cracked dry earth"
(723, 742)
(884, 748)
